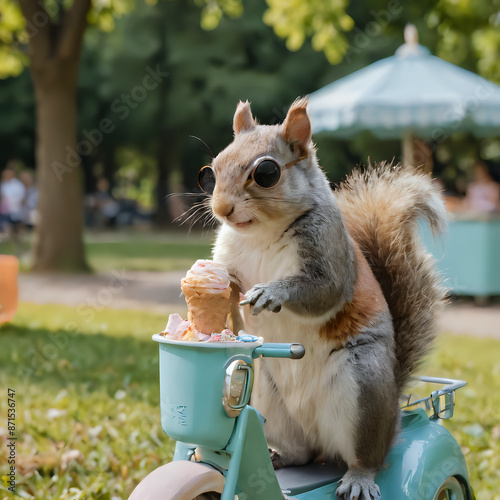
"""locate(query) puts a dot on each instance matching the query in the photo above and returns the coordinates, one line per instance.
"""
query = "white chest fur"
(319, 390)
(259, 258)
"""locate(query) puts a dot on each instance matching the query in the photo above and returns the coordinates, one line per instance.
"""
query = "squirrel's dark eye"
(206, 179)
(267, 174)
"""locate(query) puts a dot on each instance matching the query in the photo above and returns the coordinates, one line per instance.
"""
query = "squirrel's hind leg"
(378, 418)
(358, 484)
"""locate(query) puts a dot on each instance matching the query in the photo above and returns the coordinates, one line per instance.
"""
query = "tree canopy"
(172, 69)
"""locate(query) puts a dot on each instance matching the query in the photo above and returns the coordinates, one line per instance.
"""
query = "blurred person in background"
(106, 208)
(12, 193)
(483, 194)
(30, 199)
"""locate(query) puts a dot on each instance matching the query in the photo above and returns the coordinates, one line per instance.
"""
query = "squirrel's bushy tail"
(381, 207)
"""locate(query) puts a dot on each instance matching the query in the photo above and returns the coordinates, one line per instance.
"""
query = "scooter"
(222, 453)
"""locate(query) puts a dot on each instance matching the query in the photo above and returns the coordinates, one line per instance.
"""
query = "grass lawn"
(138, 251)
(87, 386)
(148, 252)
(92, 387)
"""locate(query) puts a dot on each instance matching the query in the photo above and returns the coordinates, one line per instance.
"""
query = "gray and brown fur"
(381, 208)
(344, 274)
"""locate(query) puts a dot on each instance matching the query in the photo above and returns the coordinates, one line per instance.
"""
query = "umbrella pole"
(417, 153)
(408, 151)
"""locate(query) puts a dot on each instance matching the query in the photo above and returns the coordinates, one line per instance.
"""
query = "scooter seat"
(295, 480)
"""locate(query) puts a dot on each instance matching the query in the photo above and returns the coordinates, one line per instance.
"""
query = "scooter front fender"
(181, 480)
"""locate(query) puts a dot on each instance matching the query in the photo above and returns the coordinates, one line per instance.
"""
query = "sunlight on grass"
(170, 251)
(147, 253)
(476, 423)
(86, 386)
(88, 390)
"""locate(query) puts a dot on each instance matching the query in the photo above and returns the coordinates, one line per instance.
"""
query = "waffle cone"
(207, 310)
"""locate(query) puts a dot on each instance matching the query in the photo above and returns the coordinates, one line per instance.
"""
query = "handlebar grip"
(292, 351)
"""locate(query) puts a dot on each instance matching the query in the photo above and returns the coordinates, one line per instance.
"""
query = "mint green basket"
(192, 377)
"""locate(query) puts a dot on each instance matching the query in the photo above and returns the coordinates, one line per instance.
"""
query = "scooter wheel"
(451, 489)
(181, 480)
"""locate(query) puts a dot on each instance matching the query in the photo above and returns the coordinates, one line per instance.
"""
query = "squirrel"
(342, 272)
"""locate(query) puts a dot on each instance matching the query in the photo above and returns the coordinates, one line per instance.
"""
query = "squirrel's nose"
(223, 209)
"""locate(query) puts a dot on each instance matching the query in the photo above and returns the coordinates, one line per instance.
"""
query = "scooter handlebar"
(292, 351)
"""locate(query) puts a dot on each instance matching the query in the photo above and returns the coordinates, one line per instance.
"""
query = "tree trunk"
(162, 216)
(55, 48)
(58, 243)
(170, 203)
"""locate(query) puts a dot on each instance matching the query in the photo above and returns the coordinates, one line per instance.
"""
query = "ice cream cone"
(207, 310)
(206, 288)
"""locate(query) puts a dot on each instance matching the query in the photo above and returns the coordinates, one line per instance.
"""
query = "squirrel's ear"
(243, 119)
(297, 127)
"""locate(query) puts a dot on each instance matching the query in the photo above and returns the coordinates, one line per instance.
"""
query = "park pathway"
(155, 291)
(160, 292)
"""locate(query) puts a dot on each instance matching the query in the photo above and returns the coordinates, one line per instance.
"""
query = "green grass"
(144, 254)
(136, 251)
(476, 422)
(102, 378)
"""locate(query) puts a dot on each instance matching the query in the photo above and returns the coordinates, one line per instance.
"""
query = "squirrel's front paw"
(262, 297)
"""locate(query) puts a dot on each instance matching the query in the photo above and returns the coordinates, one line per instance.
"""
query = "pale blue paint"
(410, 91)
(468, 256)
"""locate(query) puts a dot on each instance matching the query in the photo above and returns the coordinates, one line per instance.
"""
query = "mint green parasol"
(412, 93)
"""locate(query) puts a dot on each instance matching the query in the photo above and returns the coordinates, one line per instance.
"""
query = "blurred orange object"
(9, 266)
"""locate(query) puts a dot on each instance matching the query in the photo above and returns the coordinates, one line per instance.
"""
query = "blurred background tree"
(54, 36)
(207, 73)
(148, 81)
(53, 33)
